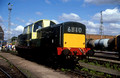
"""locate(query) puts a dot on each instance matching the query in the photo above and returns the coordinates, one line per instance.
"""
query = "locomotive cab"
(30, 32)
(40, 24)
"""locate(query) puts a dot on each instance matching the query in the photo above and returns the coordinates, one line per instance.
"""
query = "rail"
(107, 55)
(100, 69)
(4, 72)
(11, 64)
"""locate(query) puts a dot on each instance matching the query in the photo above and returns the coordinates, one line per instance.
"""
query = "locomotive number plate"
(74, 29)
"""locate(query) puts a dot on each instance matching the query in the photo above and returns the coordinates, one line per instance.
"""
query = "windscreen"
(37, 25)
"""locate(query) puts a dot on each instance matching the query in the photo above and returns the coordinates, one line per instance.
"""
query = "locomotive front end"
(73, 40)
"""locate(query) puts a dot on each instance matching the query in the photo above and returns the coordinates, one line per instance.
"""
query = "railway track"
(82, 74)
(4, 74)
(107, 55)
(107, 52)
(8, 70)
(100, 68)
(103, 64)
(86, 70)
(106, 63)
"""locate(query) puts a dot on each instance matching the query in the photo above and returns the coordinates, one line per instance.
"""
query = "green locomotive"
(45, 39)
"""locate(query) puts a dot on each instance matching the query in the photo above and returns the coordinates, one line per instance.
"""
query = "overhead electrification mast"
(9, 20)
(101, 25)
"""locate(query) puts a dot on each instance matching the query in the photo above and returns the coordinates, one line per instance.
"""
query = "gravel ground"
(33, 70)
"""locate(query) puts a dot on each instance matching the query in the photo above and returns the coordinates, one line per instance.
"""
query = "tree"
(13, 38)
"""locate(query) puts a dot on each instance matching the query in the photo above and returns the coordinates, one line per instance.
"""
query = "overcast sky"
(25, 12)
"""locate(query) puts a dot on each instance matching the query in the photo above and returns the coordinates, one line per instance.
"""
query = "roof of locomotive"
(69, 22)
(72, 22)
(65, 24)
(39, 21)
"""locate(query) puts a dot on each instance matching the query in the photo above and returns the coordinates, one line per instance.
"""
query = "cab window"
(30, 28)
(25, 30)
(37, 25)
(52, 23)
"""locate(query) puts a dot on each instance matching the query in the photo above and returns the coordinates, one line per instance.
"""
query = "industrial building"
(96, 36)
(1, 34)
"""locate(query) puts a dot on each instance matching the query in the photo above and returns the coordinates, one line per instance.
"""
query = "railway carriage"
(45, 39)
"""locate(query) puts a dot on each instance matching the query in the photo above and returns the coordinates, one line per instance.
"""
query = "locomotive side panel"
(49, 37)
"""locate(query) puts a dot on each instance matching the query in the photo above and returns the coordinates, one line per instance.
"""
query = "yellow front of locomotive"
(74, 40)
(74, 35)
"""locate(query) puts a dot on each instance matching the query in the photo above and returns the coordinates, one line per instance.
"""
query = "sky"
(25, 12)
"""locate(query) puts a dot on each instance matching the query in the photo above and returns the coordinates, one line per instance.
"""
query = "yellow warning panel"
(74, 40)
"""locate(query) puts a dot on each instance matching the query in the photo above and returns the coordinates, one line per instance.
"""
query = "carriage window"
(37, 25)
